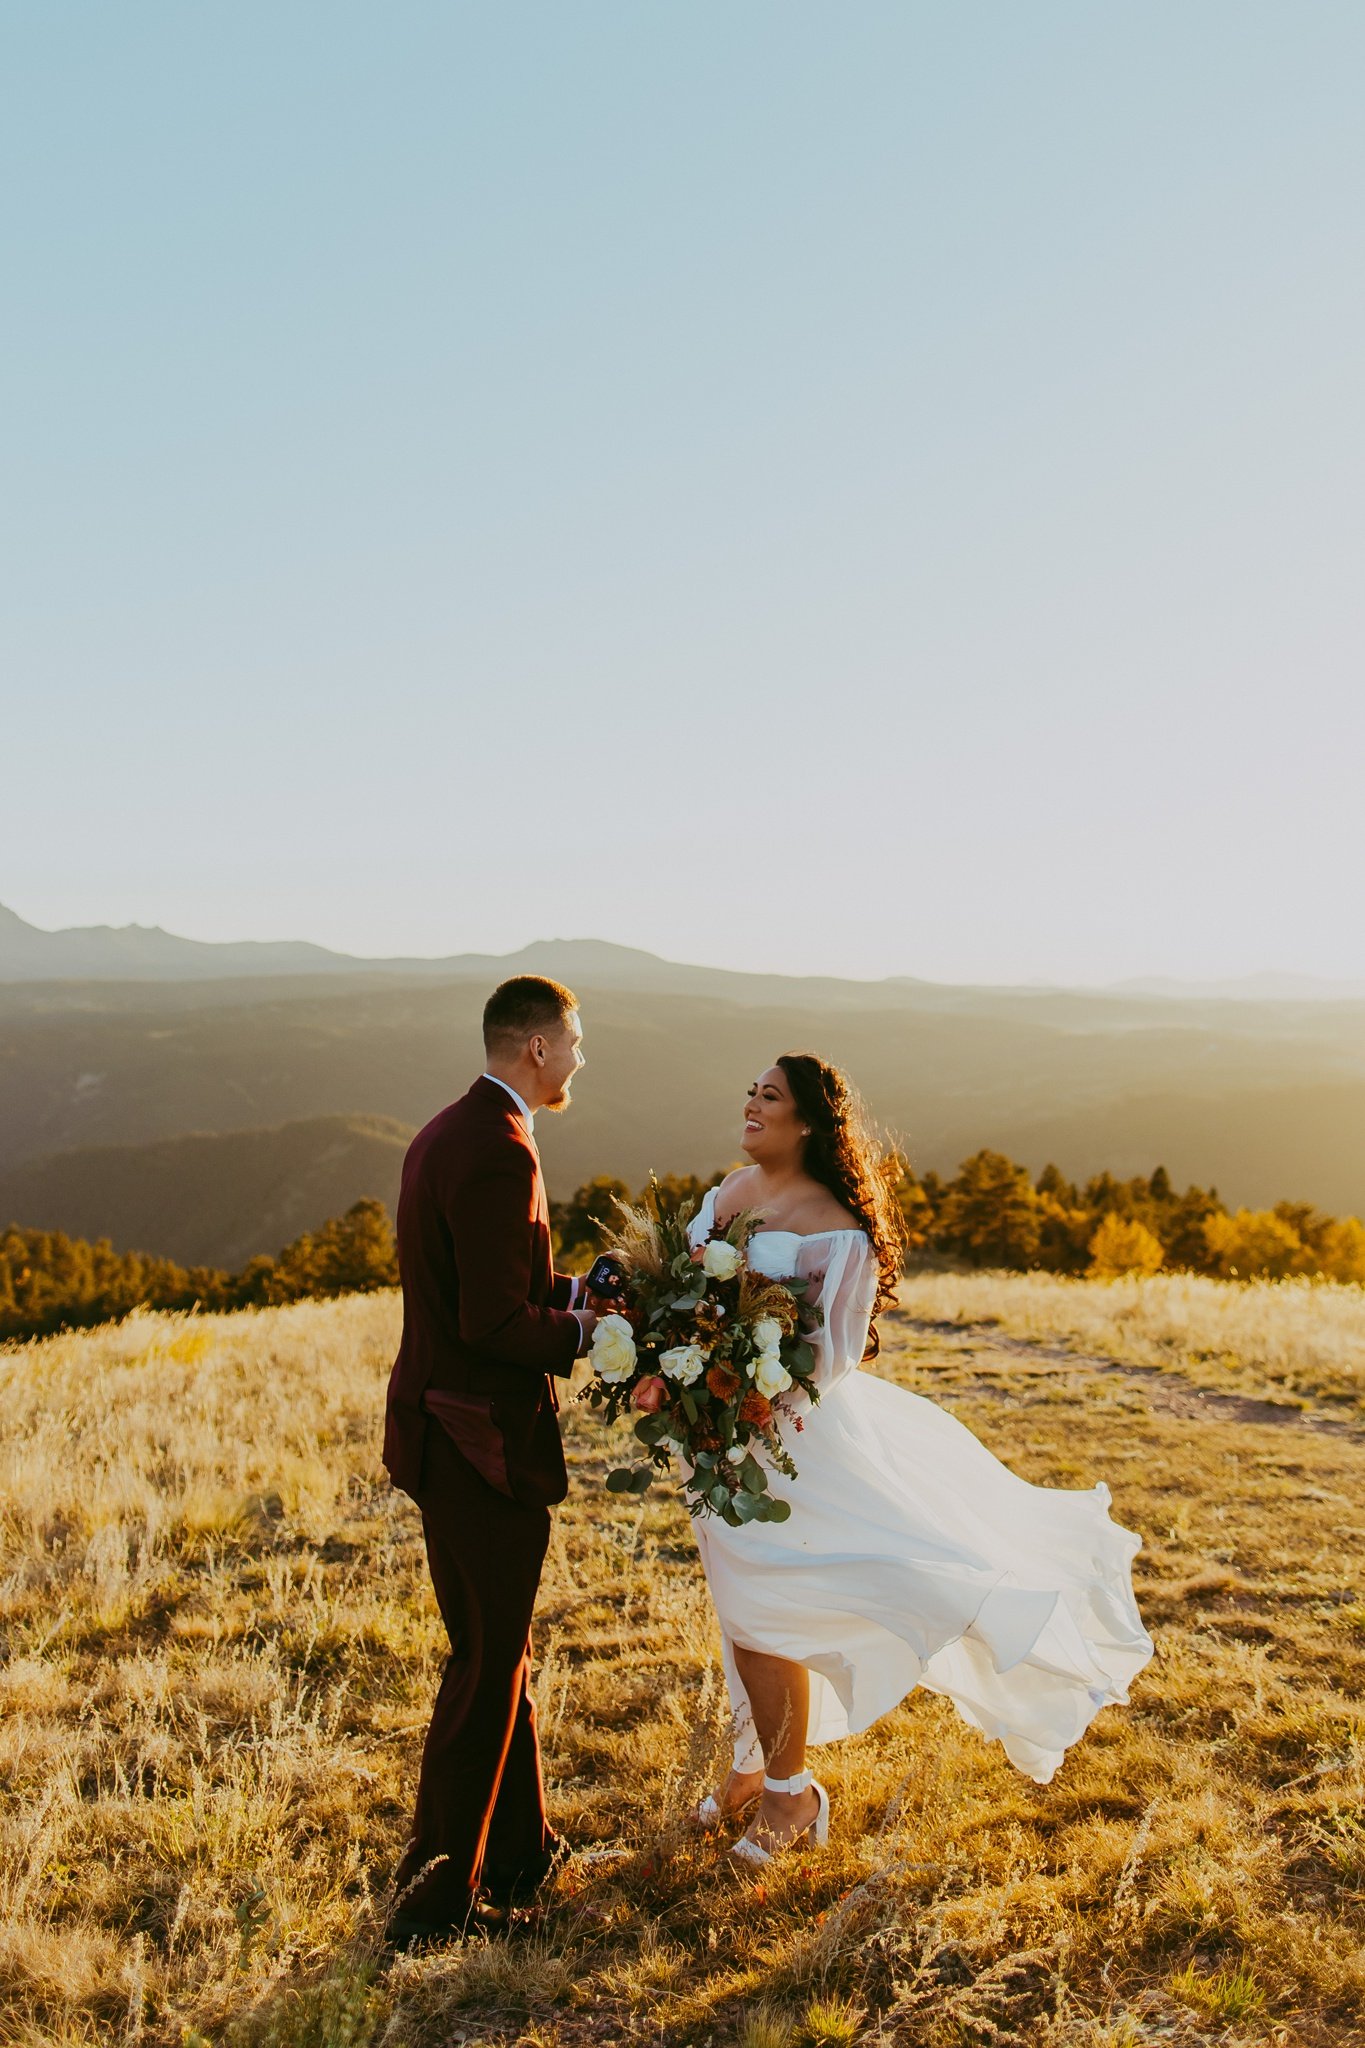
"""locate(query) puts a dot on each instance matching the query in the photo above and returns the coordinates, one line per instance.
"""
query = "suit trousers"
(480, 1798)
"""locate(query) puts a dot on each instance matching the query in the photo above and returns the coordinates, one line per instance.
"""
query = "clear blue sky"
(867, 489)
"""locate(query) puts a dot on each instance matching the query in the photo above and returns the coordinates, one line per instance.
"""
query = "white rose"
(770, 1374)
(613, 1349)
(720, 1260)
(767, 1333)
(737, 1453)
(683, 1363)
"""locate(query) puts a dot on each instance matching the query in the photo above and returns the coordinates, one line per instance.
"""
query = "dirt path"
(981, 1351)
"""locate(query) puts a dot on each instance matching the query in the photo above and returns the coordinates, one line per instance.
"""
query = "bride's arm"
(842, 1270)
(699, 1229)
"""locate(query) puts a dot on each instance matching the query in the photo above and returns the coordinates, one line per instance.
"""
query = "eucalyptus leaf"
(779, 1510)
(619, 1480)
(752, 1477)
(720, 1496)
(640, 1479)
(747, 1507)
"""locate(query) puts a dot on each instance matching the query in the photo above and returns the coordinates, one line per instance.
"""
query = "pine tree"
(1052, 1181)
(579, 1221)
(990, 1214)
(1064, 1234)
(355, 1253)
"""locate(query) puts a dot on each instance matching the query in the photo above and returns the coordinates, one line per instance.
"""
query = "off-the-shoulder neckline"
(801, 1236)
(806, 1236)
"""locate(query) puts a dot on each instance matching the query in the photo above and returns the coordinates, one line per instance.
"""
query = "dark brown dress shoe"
(406, 1934)
(507, 1888)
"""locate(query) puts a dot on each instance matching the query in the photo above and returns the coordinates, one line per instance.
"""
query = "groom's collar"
(527, 1115)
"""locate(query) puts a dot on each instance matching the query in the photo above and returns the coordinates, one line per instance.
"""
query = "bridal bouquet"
(702, 1351)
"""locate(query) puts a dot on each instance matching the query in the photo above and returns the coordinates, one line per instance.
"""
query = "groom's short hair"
(518, 1008)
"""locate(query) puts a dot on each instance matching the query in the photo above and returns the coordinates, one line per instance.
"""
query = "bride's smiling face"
(773, 1131)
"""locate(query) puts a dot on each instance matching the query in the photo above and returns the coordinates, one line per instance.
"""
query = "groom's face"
(563, 1058)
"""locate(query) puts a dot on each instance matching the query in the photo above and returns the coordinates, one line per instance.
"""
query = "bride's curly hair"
(843, 1154)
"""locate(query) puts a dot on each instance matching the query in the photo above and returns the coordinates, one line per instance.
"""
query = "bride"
(911, 1555)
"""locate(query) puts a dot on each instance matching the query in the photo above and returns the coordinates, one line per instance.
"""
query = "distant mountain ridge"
(136, 952)
(146, 953)
(1269, 987)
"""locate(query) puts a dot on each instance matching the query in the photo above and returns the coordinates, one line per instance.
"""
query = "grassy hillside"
(1265, 1100)
(221, 1650)
(214, 1199)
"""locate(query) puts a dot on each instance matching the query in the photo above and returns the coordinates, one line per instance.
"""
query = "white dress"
(912, 1556)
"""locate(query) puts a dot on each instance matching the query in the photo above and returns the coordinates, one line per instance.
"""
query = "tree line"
(991, 1213)
(49, 1281)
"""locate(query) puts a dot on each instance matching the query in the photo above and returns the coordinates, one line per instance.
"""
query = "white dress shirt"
(527, 1114)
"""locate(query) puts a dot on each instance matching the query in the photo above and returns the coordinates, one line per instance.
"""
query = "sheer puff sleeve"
(842, 1271)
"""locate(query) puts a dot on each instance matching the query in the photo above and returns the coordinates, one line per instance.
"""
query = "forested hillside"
(213, 1198)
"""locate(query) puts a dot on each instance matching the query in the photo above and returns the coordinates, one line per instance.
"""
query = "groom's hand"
(587, 1318)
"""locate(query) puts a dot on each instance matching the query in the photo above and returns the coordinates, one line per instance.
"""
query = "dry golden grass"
(1297, 1341)
(220, 1649)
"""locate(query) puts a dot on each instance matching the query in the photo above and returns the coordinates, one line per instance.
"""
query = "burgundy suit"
(472, 1434)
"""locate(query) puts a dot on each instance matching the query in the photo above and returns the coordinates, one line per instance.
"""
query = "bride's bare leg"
(779, 1694)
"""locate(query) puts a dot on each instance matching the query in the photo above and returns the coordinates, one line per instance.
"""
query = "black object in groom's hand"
(606, 1279)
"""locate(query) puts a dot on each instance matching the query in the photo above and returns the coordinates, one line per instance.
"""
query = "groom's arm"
(492, 1219)
(566, 1292)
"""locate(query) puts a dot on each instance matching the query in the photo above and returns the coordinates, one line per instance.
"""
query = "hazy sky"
(867, 489)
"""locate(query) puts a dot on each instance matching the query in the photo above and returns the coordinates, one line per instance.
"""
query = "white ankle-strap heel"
(745, 1850)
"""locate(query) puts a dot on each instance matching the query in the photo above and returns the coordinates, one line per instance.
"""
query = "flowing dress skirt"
(913, 1557)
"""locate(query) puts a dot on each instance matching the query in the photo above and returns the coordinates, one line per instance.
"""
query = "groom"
(472, 1434)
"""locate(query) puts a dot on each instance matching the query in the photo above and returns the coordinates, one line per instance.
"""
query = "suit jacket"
(486, 1324)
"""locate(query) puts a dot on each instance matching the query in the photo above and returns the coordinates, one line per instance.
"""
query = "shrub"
(1253, 1244)
(1123, 1245)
